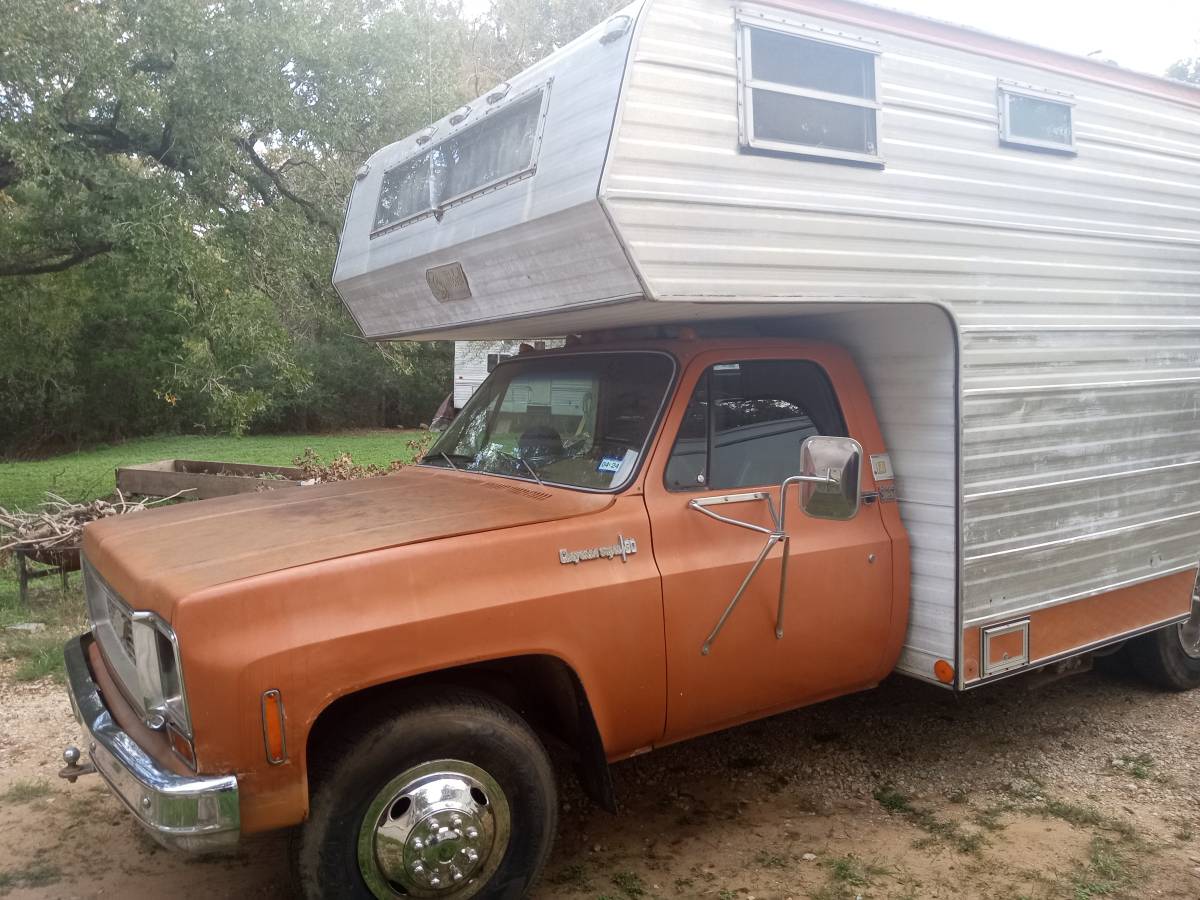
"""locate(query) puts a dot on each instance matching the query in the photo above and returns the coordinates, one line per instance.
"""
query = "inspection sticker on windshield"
(881, 467)
(610, 464)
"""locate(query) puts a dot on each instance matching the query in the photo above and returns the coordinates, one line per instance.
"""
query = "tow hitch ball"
(72, 770)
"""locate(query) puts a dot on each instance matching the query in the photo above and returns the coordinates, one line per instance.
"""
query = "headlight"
(143, 656)
(159, 678)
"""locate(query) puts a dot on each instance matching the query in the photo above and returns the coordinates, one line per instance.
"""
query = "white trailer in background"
(1007, 238)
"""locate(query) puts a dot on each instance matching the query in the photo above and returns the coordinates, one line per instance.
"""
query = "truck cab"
(616, 545)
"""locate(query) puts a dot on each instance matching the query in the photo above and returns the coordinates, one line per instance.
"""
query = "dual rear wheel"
(1170, 657)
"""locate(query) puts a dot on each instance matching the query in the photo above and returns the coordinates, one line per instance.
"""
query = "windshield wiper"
(448, 459)
(523, 462)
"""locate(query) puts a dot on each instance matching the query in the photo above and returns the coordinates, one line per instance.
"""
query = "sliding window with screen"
(807, 92)
(1035, 118)
(500, 147)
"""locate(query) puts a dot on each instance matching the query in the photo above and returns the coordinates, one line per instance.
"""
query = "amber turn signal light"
(272, 717)
(182, 746)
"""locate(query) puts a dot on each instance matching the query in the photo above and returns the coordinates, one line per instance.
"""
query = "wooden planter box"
(204, 479)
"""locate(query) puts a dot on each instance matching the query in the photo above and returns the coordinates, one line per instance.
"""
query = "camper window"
(808, 96)
(491, 151)
(1035, 119)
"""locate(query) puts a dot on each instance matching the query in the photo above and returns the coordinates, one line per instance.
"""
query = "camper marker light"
(459, 114)
(944, 671)
(496, 94)
(426, 134)
(615, 27)
(273, 738)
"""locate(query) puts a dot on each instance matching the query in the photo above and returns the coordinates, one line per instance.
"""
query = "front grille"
(122, 623)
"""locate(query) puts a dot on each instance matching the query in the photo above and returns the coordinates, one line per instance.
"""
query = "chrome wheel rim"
(1189, 631)
(439, 829)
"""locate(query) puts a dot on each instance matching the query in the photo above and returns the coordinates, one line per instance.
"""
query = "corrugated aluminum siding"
(1075, 282)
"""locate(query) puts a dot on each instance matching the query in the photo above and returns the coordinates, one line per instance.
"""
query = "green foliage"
(1186, 70)
(172, 177)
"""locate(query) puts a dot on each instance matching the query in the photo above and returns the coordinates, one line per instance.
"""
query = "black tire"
(1161, 659)
(456, 725)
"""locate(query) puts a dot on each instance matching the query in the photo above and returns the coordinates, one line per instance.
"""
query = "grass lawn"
(89, 474)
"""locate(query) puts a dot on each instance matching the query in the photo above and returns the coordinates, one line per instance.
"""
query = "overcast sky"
(1138, 34)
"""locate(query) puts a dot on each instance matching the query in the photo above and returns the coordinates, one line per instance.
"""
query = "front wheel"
(454, 798)
(1170, 657)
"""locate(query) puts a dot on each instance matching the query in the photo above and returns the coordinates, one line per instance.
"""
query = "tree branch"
(81, 255)
(311, 211)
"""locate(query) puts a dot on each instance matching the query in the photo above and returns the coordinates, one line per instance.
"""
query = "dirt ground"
(1087, 787)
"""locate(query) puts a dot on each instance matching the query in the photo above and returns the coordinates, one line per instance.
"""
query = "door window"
(745, 422)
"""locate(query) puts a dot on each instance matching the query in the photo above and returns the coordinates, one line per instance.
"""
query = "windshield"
(581, 420)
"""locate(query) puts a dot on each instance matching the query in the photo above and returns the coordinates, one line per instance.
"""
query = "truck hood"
(157, 557)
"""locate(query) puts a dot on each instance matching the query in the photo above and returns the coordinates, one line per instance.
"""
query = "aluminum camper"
(1006, 237)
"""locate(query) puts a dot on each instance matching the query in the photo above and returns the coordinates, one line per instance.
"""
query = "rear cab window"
(745, 422)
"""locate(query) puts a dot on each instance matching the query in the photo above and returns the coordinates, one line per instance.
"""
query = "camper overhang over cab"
(1006, 238)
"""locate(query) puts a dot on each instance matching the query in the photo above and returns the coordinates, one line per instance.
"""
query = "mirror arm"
(828, 478)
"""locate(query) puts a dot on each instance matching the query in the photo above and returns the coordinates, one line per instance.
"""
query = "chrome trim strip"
(1076, 386)
(1081, 595)
(186, 813)
(1082, 538)
(1085, 479)
(1078, 651)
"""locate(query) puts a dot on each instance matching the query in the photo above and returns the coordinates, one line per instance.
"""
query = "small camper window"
(1037, 119)
(809, 96)
(495, 149)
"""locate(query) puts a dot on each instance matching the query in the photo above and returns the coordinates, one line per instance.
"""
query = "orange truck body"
(329, 591)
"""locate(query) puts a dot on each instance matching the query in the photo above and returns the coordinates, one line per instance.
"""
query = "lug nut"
(456, 821)
(472, 832)
(418, 844)
(434, 881)
(433, 825)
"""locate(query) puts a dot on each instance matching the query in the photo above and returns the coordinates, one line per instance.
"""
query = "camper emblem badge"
(448, 283)
(622, 548)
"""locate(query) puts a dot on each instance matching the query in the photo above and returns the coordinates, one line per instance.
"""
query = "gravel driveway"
(1087, 787)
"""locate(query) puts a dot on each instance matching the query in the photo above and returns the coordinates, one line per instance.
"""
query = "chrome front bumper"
(196, 814)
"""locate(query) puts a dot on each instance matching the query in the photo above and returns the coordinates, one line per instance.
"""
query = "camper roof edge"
(964, 37)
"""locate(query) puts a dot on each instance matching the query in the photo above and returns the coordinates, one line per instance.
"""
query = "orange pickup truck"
(611, 548)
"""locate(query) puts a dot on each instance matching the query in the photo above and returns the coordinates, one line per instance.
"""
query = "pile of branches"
(58, 524)
(343, 467)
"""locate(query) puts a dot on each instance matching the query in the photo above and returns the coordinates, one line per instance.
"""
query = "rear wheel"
(451, 799)
(1170, 657)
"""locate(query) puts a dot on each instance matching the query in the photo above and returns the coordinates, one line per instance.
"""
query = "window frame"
(467, 124)
(705, 378)
(748, 19)
(1005, 90)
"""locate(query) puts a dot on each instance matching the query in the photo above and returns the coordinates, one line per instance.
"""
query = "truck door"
(736, 438)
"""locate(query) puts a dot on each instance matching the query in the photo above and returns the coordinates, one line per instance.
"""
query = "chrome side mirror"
(829, 471)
